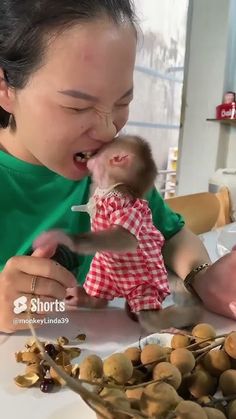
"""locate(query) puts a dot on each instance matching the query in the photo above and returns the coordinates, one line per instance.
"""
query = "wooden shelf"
(223, 121)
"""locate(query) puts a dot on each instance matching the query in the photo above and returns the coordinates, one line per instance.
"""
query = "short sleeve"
(164, 219)
(129, 217)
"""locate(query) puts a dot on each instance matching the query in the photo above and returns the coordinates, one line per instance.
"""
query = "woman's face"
(78, 100)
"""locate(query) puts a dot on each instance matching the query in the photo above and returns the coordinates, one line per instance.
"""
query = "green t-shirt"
(35, 199)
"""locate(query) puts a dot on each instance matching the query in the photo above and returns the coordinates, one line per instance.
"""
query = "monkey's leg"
(177, 317)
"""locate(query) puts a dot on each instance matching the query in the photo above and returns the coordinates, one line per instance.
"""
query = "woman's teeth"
(83, 156)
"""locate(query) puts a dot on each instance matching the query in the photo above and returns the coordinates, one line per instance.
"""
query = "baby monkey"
(128, 259)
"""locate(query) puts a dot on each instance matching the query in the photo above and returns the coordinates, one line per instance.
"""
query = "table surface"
(107, 330)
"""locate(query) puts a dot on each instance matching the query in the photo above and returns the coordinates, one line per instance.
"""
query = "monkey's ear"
(121, 160)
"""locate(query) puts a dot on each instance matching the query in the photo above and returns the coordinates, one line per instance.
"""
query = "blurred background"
(186, 62)
(156, 109)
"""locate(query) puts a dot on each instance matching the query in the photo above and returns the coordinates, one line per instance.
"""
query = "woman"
(66, 81)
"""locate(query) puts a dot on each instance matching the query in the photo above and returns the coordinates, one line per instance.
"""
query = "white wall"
(206, 146)
(230, 82)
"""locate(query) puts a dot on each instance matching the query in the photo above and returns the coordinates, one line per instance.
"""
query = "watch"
(190, 277)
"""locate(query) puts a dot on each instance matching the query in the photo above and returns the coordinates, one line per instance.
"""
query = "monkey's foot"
(130, 314)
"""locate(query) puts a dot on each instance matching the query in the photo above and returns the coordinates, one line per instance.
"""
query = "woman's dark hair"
(25, 24)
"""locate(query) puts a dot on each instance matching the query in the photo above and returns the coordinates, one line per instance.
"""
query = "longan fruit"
(166, 369)
(134, 404)
(216, 362)
(158, 400)
(214, 413)
(167, 351)
(134, 393)
(204, 400)
(183, 359)
(203, 331)
(180, 341)
(91, 368)
(189, 410)
(134, 355)
(231, 410)
(138, 377)
(199, 366)
(227, 382)
(108, 392)
(230, 345)
(118, 400)
(201, 383)
(118, 367)
(152, 353)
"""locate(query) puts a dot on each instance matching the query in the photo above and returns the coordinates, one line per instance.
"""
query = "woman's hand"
(16, 280)
(216, 286)
(76, 296)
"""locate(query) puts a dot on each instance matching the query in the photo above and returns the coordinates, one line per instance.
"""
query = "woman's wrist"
(193, 281)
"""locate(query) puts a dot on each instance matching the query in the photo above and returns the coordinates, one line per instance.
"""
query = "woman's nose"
(104, 128)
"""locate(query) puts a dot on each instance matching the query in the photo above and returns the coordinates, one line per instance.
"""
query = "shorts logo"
(20, 305)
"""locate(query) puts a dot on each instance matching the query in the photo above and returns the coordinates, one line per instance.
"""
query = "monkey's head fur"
(127, 159)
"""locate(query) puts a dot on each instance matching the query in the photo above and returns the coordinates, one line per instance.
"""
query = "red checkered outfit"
(139, 277)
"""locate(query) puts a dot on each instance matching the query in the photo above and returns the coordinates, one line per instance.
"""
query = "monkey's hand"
(116, 239)
(52, 239)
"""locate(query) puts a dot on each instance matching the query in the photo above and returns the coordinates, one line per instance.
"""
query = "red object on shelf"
(226, 111)
(229, 97)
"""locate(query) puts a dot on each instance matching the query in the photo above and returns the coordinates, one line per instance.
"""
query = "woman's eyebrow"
(78, 94)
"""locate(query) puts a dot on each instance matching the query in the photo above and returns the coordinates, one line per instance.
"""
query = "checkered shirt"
(139, 277)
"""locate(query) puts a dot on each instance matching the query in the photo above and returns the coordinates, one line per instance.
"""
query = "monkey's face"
(98, 165)
(111, 163)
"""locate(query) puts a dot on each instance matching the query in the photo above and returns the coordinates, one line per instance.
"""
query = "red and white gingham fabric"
(139, 277)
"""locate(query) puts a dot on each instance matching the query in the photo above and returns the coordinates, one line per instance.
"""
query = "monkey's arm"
(170, 317)
(116, 239)
(183, 252)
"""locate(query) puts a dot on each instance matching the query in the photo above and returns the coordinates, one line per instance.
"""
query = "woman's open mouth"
(81, 158)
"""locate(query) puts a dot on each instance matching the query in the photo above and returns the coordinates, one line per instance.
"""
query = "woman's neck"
(4, 138)
(13, 146)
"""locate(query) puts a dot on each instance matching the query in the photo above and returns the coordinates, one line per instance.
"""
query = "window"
(155, 111)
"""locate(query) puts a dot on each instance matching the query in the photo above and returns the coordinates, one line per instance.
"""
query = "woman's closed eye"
(88, 108)
(77, 110)
(122, 105)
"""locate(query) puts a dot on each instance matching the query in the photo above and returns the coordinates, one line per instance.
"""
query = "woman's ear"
(7, 95)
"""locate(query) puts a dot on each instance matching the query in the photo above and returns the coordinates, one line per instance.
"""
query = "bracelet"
(190, 277)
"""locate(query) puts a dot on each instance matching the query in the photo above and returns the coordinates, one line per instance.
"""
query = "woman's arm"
(216, 285)
(184, 252)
